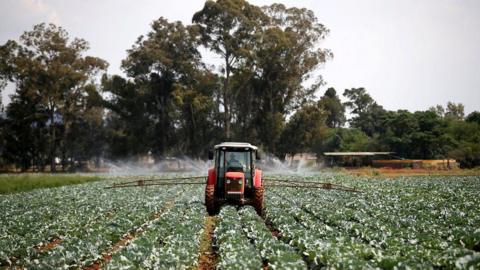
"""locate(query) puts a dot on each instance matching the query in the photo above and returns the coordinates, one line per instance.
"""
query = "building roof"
(357, 153)
(235, 145)
(301, 156)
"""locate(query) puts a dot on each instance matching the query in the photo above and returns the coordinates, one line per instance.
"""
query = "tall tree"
(438, 110)
(359, 100)
(473, 117)
(455, 111)
(26, 140)
(399, 129)
(305, 129)
(368, 115)
(197, 114)
(229, 28)
(331, 103)
(48, 65)
(466, 146)
(127, 119)
(158, 63)
(85, 139)
(169, 91)
(284, 60)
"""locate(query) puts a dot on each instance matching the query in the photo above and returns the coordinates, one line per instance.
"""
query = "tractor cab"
(234, 177)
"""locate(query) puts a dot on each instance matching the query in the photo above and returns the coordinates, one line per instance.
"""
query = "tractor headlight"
(228, 181)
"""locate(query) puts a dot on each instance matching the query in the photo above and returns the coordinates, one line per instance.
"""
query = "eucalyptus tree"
(331, 103)
(269, 54)
(368, 114)
(166, 103)
(305, 130)
(230, 28)
(48, 67)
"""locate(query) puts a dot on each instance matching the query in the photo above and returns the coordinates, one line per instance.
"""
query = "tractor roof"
(235, 145)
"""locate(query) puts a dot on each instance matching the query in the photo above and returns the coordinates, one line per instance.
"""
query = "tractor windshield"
(237, 161)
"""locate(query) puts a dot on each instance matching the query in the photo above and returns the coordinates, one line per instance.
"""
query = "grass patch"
(26, 182)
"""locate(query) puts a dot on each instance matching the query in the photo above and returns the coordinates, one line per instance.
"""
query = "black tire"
(210, 200)
(258, 201)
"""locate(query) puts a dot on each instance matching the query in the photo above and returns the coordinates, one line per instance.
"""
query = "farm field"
(11, 183)
(407, 222)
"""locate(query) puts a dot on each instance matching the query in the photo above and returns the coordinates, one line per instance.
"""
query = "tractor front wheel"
(258, 201)
(210, 200)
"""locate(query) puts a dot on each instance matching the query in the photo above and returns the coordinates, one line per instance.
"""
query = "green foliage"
(26, 182)
(455, 111)
(235, 249)
(433, 134)
(54, 82)
(330, 103)
(89, 219)
(305, 129)
(229, 28)
(171, 241)
(170, 95)
(368, 114)
(344, 140)
(473, 117)
(256, 45)
(277, 253)
(172, 104)
(466, 146)
(427, 223)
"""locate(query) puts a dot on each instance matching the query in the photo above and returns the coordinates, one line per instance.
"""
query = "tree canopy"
(54, 83)
(66, 110)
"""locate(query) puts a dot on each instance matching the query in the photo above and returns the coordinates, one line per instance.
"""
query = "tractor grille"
(234, 184)
(234, 188)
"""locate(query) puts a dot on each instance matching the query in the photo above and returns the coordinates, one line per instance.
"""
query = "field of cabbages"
(414, 222)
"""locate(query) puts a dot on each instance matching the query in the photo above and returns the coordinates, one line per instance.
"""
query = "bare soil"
(208, 257)
(107, 256)
(50, 245)
(276, 233)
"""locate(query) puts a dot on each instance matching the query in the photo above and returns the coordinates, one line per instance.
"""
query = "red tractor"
(234, 178)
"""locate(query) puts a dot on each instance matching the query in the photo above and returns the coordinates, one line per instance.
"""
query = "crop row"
(87, 219)
(171, 241)
(395, 225)
(422, 223)
(244, 242)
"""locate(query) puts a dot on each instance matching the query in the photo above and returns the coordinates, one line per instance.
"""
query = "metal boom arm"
(201, 180)
(306, 184)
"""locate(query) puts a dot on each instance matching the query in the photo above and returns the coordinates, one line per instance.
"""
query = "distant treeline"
(170, 103)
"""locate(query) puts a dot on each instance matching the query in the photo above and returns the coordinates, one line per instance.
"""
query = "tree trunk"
(66, 132)
(193, 134)
(226, 100)
(53, 143)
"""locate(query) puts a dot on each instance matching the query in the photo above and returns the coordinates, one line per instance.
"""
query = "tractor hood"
(234, 175)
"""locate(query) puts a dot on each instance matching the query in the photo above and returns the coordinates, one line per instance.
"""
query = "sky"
(408, 54)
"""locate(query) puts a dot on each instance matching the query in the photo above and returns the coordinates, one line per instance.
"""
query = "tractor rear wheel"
(210, 200)
(258, 201)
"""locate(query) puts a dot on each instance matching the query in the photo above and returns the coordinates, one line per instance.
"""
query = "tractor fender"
(257, 180)
(212, 177)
